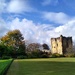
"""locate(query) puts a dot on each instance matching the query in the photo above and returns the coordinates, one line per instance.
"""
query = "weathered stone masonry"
(61, 45)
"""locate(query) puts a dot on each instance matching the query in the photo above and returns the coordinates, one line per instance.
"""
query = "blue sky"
(38, 20)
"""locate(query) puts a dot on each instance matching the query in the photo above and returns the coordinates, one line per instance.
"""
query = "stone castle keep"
(61, 45)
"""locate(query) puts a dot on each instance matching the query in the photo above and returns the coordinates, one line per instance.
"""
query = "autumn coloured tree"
(14, 39)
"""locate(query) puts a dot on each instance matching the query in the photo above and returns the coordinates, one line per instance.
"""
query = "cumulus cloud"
(49, 2)
(18, 6)
(67, 29)
(32, 31)
(60, 18)
(15, 6)
(40, 33)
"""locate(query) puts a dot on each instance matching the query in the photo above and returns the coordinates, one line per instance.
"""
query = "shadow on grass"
(41, 68)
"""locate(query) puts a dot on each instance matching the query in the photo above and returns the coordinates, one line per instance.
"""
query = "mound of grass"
(49, 66)
(4, 64)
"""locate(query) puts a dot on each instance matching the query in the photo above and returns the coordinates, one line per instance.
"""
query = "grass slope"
(49, 66)
(3, 65)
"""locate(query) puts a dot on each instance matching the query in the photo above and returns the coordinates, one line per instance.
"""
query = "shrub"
(69, 55)
(6, 57)
(56, 55)
(45, 55)
(34, 54)
(21, 57)
(37, 54)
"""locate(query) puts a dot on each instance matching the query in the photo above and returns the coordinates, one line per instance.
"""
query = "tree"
(15, 40)
(33, 46)
(45, 46)
(2, 48)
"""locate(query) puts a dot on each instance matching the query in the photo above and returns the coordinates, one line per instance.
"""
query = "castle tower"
(61, 45)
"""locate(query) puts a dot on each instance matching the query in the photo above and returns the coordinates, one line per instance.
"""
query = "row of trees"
(13, 45)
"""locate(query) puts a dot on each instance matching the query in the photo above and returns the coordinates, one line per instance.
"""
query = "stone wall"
(61, 45)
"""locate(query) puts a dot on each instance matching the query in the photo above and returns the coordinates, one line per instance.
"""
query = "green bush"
(6, 57)
(45, 55)
(0, 58)
(21, 57)
(33, 54)
(37, 54)
(69, 55)
(55, 55)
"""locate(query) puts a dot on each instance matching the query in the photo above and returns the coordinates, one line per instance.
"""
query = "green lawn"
(49, 66)
(3, 65)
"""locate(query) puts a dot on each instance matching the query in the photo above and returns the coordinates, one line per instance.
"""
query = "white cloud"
(32, 31)
(40, 33)
(49, 2)
(67, 29)
(60, 18)
(19, 6)
(15, 6)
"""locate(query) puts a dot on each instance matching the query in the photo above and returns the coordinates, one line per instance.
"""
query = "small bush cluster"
(6, 57)
(55, 55)
(37, 54)
(69, 55)
(21, 57)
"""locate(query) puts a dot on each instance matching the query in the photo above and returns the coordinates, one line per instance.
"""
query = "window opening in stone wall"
(54, 46)
(57, 44)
